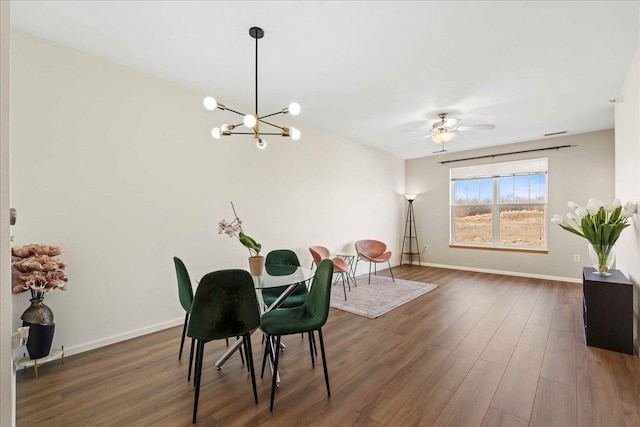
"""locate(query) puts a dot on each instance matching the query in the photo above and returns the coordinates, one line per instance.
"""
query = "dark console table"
(608, 310)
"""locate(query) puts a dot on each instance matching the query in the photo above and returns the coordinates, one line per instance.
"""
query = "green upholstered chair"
(185, 294)
(224, 306)
(281, 257)
(309, 317)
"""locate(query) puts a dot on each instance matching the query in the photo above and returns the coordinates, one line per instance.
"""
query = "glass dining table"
(274, 276)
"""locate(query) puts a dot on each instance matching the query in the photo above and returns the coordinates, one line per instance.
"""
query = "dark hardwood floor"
(480, 350)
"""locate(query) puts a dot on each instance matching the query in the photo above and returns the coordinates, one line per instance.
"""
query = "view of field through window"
(518, 210)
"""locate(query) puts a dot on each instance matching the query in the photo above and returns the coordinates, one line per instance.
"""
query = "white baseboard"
(92, 345)
(505, 273)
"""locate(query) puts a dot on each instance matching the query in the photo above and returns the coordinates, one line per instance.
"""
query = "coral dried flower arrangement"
(38, 270)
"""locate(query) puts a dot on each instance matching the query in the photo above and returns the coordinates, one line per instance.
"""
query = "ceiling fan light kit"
(252, 121)
(446, 129)
(443, 136)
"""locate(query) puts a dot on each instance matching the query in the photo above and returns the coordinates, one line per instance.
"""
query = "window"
(500, 205)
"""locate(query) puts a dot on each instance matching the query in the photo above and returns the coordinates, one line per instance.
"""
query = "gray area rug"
(379, 297)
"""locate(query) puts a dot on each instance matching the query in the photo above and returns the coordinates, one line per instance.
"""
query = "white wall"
(7, 372)
(117, 167)
(628, 177)
(575, 173)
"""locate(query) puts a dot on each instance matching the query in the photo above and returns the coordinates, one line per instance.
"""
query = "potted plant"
(601, 225)
(234, 229)
(38, 271)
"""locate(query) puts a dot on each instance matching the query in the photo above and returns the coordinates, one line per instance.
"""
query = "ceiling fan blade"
(451, 122)
(476, 127)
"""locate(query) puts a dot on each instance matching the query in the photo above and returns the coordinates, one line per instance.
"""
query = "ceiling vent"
(555, 133)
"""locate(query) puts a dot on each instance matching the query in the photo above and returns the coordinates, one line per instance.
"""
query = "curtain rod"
(557, 147)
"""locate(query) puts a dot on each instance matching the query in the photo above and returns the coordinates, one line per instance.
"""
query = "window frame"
(496, 171)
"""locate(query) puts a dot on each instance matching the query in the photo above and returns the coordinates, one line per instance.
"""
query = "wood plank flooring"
(480, 350)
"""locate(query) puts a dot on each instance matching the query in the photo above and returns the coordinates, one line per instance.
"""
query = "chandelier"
(252, 121)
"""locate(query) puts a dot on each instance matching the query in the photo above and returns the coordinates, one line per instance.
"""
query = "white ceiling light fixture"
(442, 136)
(446, 129)
(253, 121)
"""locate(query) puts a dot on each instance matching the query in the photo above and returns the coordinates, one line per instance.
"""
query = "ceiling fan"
(446, 129)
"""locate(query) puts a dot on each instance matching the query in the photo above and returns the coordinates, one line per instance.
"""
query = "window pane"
(460, 191)
(506, 189)
(486, 190)
(473, 191)
(521, 188)
(472, 224)
(522, 225)
(538, 188)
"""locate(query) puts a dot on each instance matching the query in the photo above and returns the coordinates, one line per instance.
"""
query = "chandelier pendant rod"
(257, 77)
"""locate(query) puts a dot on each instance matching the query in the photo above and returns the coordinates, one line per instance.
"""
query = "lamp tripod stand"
(410, 235)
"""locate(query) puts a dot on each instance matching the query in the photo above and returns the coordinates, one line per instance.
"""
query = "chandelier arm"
(272, 114)
(234, 111)
(271, 124)
(252, 133)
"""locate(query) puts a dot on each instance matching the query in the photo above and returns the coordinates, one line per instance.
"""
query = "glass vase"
(602, 257)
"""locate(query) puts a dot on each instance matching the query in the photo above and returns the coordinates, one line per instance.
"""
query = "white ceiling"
(373, 71)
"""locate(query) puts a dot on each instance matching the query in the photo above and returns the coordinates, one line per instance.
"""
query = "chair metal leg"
(391, 271)
(249, 352)
(198, 375)
(267, 350)
(274, 376)
(313, 362)
(241, 355)
(355, 270)
(343, 288)
(193, 343)
(184, 333)
(324, 362)
(370, 272)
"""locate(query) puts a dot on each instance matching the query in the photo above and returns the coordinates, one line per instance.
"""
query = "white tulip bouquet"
(600, 224)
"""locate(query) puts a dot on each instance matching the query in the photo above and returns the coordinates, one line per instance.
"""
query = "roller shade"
(491, 170)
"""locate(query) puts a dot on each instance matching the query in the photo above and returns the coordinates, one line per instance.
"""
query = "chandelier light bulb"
(249, 120)
(215, 132)
(224, 127)
(261, 144)
(294, 108)
(210, 103)
(295, 134)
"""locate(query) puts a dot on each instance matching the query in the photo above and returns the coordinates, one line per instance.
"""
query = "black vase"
(39, 318)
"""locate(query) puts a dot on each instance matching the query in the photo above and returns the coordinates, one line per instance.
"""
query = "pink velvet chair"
(339, 265)
(375, 252)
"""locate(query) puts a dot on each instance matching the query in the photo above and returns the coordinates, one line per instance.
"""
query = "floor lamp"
(410, 233)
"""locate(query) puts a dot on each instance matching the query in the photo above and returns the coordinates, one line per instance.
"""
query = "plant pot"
(256, 265)
(39, 318)
(602, 257)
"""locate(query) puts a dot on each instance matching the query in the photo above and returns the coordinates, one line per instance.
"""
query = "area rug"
(379, 297)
